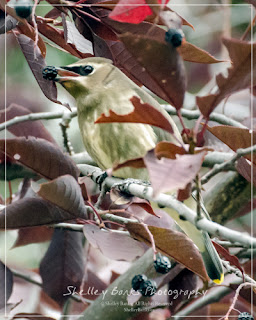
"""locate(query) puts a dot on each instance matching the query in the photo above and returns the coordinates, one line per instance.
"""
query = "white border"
(251, 112)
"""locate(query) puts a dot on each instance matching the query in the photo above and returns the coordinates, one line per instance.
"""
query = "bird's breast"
(112, 143)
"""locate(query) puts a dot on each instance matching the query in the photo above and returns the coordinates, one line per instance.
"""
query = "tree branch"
(163, 200)
(188, 114)
(36, 116)
(194, 115)
(228, 165)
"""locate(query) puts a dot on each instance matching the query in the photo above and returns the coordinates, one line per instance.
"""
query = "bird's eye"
(85, 70)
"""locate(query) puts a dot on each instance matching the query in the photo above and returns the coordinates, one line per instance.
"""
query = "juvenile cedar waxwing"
(98, 86)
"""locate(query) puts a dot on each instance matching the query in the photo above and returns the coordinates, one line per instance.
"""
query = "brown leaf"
(172, 243)
(63, 265)
(168, 150)
(114, 245)
(33, 235)
(6, 279)
(235, 138)
(231, 258)
(134, 163)
(167, 68)
(39, 155)
(142, 113)
(65, 192)
(30, 212)
(192, 53)
(239, 75)
(24, 129)
(169, 174)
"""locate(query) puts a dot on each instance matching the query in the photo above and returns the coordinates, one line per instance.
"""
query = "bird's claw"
(101, 178)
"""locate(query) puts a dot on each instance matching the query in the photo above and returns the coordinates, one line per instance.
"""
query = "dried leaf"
(142, 113)
(39, 155)
(30, 235)
(62, 265)
(172, 243)
(24, 129)
(30, 212)
(114, 245)
(235, 138)
(167, 68)
(74, 37)
(57, 36)
(239, 75)
(6, 279)
(65, 192)
(169, 174)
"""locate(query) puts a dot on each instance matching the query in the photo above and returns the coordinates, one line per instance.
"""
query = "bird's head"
(85, 75)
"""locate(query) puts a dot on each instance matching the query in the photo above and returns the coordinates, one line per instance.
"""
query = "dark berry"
(174, 36)
(162, 264)
(245, 316)
(49, 73)
(23, 8)
(137, 281)
(148, 288)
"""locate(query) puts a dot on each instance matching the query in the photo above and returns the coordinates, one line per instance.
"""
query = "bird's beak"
(65, 74)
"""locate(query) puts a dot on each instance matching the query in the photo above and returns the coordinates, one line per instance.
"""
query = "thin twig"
(232, 306)
(228, 165)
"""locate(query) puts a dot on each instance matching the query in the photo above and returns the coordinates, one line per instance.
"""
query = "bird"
(98, 87)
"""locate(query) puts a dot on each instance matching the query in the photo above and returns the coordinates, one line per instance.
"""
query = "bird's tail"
(212, 260)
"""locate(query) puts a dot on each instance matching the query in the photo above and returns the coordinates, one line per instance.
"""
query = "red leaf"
(142, 113)
(132, 11)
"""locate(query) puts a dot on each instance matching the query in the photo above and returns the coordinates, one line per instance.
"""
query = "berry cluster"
(49, 73)
(145, 286)
(245, 316)
(148, 287)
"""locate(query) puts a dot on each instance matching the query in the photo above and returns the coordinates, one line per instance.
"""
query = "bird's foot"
(123, 186)
(101, 178)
